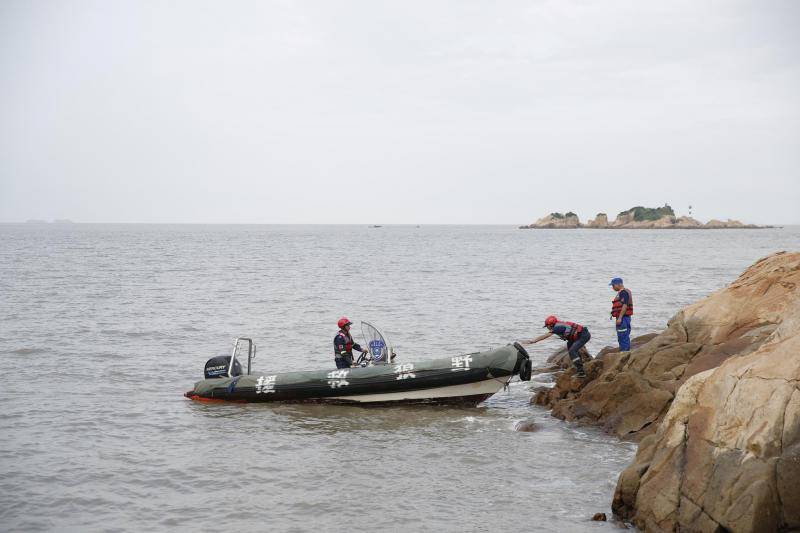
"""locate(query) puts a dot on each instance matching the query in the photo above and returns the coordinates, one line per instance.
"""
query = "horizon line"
(67, 222)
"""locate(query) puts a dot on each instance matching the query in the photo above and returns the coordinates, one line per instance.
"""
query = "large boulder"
(727, 455)
(632, 391)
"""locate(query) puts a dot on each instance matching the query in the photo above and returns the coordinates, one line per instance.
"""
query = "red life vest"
(616, 304)
(348, 345)
(572, 333)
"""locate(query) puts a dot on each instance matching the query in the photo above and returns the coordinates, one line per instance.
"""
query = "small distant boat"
(377, 226)
(464, 380)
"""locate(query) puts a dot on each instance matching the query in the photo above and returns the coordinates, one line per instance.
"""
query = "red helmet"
(550, 321)
(344, 321)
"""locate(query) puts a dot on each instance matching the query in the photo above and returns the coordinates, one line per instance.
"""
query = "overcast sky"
(397, 112)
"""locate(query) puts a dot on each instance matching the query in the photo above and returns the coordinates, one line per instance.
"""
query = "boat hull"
(465, 380)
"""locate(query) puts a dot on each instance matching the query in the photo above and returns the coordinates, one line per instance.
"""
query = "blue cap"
(616, 281)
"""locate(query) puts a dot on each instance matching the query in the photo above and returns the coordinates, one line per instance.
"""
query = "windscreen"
(376, 343)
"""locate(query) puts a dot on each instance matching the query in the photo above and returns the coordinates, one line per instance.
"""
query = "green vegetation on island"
(648, 213)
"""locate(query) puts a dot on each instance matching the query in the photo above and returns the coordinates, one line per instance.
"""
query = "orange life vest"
(616, 305)
(571, 330)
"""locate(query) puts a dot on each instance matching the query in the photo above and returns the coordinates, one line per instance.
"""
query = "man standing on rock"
(576, 336)
(621, 312)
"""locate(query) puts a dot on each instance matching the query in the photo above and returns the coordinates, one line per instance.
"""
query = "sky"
(435, 112)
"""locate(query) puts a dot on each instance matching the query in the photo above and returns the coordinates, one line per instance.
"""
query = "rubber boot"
(578, 364)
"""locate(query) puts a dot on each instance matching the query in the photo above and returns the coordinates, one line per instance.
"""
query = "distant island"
(56, 221)
(636, 218)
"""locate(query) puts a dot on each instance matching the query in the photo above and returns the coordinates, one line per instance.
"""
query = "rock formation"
(600, 221)
(557, 220)
(717, 224)
(716, 397)
(635, 218)
(687, 223)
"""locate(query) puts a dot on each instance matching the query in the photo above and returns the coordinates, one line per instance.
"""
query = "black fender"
(522, 350)
(525, 370)
(523, 366)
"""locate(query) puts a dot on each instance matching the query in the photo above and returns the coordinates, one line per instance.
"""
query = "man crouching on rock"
(576, 336)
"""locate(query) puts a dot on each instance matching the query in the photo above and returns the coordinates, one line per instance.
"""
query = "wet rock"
(599, 517)
(536, 390)
(560, 359)
(527, 426)
(542, 397)
(544, 370)
(543, 378)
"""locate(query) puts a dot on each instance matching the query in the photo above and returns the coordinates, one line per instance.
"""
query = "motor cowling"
(217, 367)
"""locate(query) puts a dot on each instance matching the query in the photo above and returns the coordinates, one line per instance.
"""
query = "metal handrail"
(251, 354)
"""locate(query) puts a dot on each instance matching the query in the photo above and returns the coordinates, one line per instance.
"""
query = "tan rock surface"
(551, 221)
(726, 456)
(715, 399)
(633, 390)
(666, 221)
(600, 221)
(715, 224)
(687, 222)
(622, 220)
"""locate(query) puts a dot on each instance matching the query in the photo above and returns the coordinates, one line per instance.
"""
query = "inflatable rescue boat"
(464, 379)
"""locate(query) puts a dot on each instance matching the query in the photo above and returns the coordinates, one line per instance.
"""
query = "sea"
(104, 327)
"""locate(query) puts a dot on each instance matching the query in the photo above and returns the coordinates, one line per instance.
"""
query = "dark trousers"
(574, 346)
(344, 362)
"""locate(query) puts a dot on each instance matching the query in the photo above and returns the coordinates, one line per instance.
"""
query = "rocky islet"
(636, 218)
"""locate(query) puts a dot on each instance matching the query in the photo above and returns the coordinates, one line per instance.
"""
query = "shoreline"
(712, 399)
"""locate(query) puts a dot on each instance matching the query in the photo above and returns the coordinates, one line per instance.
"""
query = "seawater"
(103, 327)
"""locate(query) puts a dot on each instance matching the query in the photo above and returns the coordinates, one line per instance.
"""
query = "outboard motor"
(217, 367)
